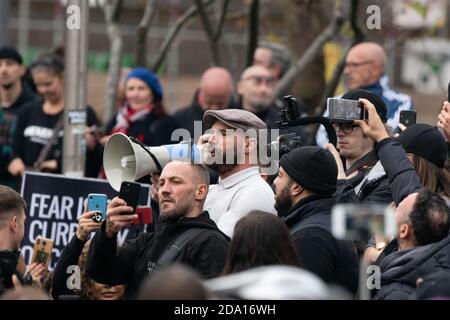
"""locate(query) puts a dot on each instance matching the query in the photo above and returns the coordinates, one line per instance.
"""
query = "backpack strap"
(174, 250)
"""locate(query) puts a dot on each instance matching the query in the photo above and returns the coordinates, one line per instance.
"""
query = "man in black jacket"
(304, 188)
(182, 191)
(15, 95)
(12, 229)
(423, 242)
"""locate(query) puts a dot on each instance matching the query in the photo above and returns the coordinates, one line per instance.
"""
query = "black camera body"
(8, 265)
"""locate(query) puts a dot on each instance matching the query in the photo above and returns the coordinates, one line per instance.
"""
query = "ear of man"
(405, 231)
(13, 223)
(296, 189)
(201, 192)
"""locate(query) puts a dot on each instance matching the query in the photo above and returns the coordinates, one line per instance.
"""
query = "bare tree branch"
(220, 23)
(111, 12)
(116, 9)
(358, 34)
(142, 30)
(308, 56)
(188, 14)
(209, 31)
(252, 35)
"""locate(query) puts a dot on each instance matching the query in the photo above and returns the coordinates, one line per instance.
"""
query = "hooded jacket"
(335, 261)
(392, 178)
(129, 264)
(400, 270)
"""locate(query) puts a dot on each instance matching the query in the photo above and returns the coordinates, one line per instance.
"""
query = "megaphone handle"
(143, 146)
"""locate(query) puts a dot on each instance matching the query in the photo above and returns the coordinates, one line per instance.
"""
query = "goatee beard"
(283, 205)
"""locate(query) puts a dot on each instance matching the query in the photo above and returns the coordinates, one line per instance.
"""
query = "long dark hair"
(260, 239)
(430, 176)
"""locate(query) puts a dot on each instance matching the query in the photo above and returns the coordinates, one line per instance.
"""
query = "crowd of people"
(224, 229)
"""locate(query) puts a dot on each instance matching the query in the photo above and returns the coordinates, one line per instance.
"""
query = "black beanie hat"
(313, 168)
(10, 53)
(379, 104)
(425, 141)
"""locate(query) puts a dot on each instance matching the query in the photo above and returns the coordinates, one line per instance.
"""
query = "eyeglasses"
(345, 127)
(353, 65)
(258, 80)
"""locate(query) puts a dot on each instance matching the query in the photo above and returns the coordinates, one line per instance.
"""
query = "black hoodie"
(335, 261)
(205, 253)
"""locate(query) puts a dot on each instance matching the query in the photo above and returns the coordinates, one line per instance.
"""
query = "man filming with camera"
(184, 233)
(361, 175)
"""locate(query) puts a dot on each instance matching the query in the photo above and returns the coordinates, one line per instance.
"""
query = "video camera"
(8, 264)
(290, 117)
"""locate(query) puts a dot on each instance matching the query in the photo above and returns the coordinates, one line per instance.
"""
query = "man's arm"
(208, 255)
(106, 264)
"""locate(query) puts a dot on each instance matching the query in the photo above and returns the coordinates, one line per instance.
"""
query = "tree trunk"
(173, 32)
(141, 33)
(113, 77)
(305, 20)
(112, 11)
(252, 35)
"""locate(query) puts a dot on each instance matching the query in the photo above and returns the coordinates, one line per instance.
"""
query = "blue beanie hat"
(149, 78)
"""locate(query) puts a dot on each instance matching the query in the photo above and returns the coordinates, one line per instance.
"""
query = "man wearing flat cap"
(14, 96)
(232, 151)
(304, 198)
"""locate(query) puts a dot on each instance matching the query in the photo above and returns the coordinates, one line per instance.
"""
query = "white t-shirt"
(236, 196)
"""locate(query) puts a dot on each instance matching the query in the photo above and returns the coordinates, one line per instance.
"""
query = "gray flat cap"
(235, 118)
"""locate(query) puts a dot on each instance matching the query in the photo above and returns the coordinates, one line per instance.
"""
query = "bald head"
(257, 70)
(216, 88)
(365, 64)
(405, 208)
(256, 88)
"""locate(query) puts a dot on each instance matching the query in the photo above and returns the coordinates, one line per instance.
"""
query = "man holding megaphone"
(229, 146)
(233, 153)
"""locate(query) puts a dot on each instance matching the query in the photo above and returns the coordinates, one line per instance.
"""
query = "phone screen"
(345, 109)
(97, 203)
(357, 221)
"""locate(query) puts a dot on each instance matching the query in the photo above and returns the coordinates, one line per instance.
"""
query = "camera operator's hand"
(374, 128)
(444, 120)
(37, 272)
(337, 157)
(118, 216)
(86, 225)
